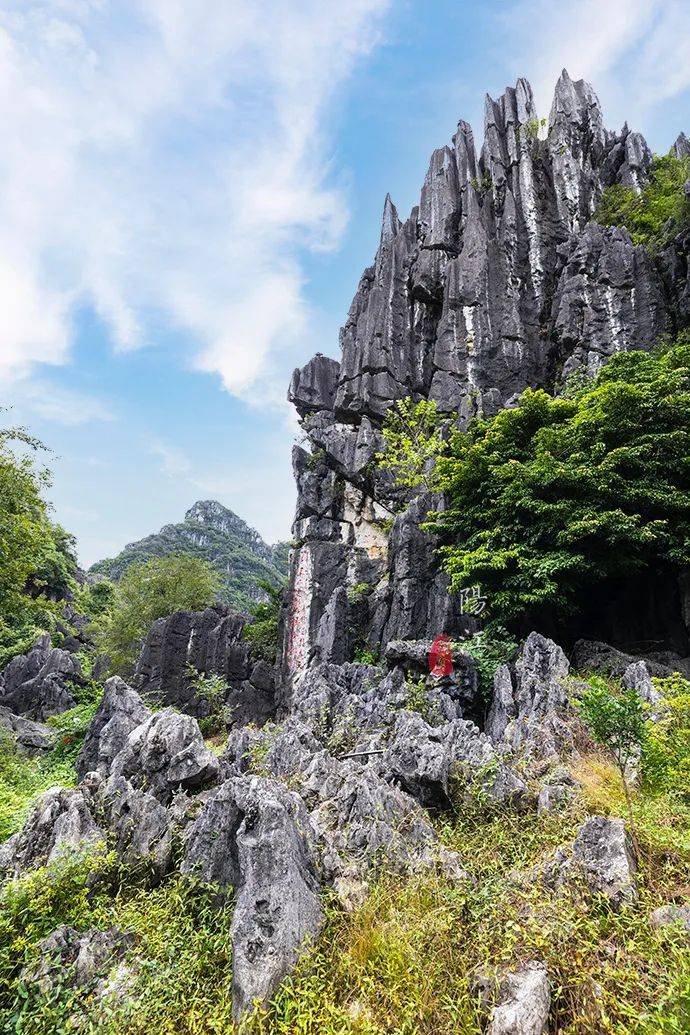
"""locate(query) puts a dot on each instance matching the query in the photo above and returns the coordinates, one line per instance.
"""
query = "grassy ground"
(404, 963)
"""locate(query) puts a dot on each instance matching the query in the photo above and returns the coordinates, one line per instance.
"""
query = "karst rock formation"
(497, 281)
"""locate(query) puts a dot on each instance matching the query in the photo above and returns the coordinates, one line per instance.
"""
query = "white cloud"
(173, 461)
(636, 53)
(59, 404)
(166, 161)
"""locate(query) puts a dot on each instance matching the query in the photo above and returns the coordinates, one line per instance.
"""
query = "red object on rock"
(441, 656)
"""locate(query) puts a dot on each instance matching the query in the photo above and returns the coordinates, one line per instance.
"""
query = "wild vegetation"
(37, 561)
(411, 957)
(262, 632)
(654, 216)
(146, 592)
(561, 493)
(217, 536)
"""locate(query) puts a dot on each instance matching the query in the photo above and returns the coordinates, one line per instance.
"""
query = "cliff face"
(497, 281)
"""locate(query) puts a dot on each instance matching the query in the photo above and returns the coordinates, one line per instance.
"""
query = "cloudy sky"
(191, 188)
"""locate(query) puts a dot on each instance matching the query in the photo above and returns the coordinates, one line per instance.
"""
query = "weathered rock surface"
(120, 712)
(602, 859)
(671, 915)
(90, 957)
(592, 655)
(530, 708)
(60, 821)
(38, 684)
(498, 280)
(30, 737)
(277, 908)
(256, 835)
(523, 1002)
(424, 760)
(210, 643)
(141, 828)
(164, 754)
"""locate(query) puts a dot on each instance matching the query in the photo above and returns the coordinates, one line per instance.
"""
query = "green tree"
(413, 437)
(654, 216)
(551, 497)
(37, 560)
(616, 720)
(149, 591)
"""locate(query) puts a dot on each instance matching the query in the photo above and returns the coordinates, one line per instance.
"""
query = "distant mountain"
(211, 531)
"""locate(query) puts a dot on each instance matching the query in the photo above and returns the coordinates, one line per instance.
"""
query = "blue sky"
(191, 189)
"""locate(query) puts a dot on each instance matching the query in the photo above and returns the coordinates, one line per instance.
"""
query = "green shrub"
(212, 690)
(615, 716)
(24, 778)
(182, 981)
(365, 656)
(262, 633)
(490, 649)
(666, 751)
(655, 216)
(558, 494)
(37, 561)
(412, 441)
(359, 592)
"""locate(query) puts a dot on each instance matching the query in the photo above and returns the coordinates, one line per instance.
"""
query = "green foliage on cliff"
(262, 633)
(558, 494)
(655, 216)
(413, 440)
(37, 561)
(216, 535)
(146, 592)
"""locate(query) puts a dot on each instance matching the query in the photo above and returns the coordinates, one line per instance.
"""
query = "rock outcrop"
(255, 835)
(601, 859)
(165, 754)
(189, 644)
(61, 821)
(523, 1002)
(530, 705)
(120, 712)
(40, 684)
(497, 281)
(30, 737)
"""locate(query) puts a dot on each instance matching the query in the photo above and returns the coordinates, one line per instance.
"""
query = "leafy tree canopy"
(146, 592)
(656, 215)
(560, 493)
(37, 561)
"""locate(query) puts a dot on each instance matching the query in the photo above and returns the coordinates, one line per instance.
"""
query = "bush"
(490, 649)
(557, 495)
(24, 778)
(666, 751)
(37, 561)
(183, 980)
(655, 216)
(413, 439)
(262, 633)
